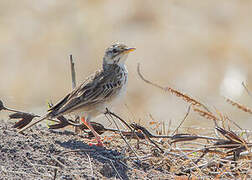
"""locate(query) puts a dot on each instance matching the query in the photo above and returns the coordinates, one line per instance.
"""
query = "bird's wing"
(95, 89)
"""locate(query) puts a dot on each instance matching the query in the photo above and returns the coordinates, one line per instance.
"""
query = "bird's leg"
(97, 137)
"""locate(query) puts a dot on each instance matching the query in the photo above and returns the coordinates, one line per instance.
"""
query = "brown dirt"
(41, 153)
(47, 154)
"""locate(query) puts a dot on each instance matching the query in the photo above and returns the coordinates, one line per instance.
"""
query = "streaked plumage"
(92, 96)
(98, 91)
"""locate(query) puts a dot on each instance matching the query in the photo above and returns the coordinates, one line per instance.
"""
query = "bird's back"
(95, 93)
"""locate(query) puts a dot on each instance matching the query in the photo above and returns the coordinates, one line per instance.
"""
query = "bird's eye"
(114, 51)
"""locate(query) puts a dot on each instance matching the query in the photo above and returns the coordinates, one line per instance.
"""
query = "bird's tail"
(32, 124)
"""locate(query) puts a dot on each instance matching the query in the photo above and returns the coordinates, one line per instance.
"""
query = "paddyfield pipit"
(98, 92)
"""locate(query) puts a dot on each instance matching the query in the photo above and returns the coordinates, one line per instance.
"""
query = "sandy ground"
(47, 154)
(41, 153)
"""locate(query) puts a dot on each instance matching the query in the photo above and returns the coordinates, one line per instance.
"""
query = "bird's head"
(116, 54)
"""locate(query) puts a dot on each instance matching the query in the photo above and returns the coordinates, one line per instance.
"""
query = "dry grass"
(239, 106)
(223, 153)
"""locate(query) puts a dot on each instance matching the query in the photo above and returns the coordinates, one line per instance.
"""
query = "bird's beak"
(128, 50)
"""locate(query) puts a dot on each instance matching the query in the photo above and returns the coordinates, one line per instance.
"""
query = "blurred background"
(202, 48)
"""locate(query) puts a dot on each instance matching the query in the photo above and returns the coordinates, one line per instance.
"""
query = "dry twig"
(187, 113)
(173, 91)
(90, 165)
(248, 91)
(239, 106)
(207, 115)
(73, 75)
(118, 174)
(122, 135)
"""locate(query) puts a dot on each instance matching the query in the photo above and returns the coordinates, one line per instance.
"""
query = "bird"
(98, 92)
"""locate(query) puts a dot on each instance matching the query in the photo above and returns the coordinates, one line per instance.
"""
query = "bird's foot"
(93, 143)
(99, 144)
(97, 137)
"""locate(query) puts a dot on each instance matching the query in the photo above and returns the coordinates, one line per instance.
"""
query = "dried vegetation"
(224, 153)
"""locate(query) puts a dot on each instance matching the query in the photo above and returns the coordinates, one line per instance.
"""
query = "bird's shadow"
(110, 159)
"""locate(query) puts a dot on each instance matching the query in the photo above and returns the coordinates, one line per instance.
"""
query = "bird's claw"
(99, 144)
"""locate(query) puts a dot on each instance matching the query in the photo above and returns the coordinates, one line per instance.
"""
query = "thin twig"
(17, 111)
(64, 166)
(248, 91)
(200, 166)
(147, 137)
(90, 165)
(207, 115)
(23, 115)
(187, 113)
(116, 170)
(171, 90)
(73, 74)
(182, 152)
(239, 106)
(122, 135)
(113, 114)
(60, 163)
(202, 155)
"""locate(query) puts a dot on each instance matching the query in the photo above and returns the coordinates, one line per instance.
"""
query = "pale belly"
(100, 108)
